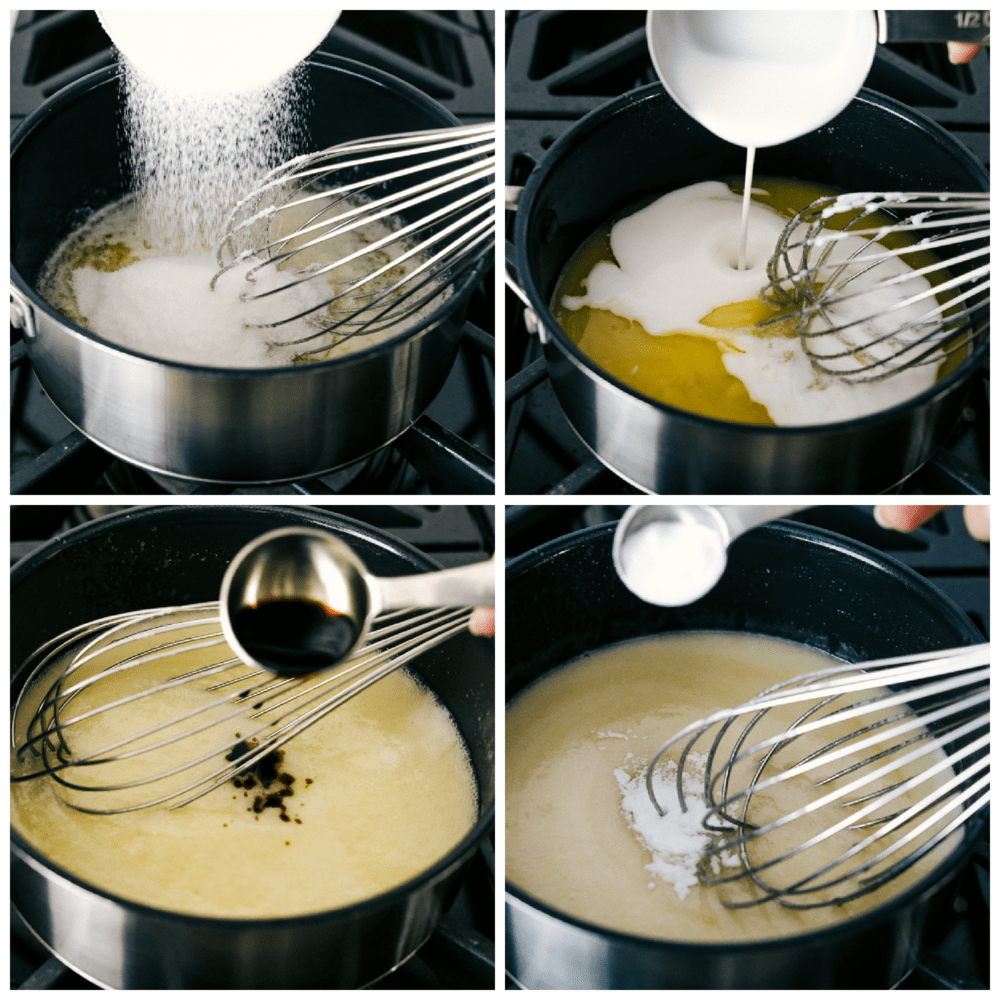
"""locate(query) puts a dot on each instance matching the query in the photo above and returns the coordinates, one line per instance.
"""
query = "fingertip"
(962, 52)
(483, 622)
(977, 520)
(905, 517)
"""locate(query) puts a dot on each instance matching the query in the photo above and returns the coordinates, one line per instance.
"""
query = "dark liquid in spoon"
(295, 636)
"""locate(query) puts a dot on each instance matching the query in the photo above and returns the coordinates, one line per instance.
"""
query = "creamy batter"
(109, 277)
(657, 299)
(381, 788)
(578, 817)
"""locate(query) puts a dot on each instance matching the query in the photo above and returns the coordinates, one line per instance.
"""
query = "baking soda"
(671, 563)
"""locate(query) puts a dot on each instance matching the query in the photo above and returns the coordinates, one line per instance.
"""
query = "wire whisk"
(152, 708)
(365, 236)
(904, 282)
(824, 788)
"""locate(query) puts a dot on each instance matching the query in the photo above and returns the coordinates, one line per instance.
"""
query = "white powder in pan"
(676, 840)
(113, 280)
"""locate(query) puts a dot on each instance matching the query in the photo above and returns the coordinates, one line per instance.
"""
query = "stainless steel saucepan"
(145, 558)
(785, 580)
(193, 422)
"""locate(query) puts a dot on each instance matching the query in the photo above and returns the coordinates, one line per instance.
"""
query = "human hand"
(483, 622)
(962, 52)
(907, 517)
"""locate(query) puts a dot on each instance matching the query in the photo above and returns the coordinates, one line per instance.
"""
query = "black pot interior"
(785, 580)
(643, 145)
(177, 555)
(68, 160)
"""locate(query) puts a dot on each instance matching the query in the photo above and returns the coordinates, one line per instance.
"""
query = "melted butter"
(383, 789)
(581, 733)
(678, 323)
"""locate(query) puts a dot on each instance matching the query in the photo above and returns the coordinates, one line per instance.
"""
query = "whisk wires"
(380, 229)
(65, 735)
(903, 282)
(887, 761)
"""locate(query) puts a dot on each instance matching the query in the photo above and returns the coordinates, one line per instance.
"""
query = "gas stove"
(560, 65)
(944, 553)
(459, 955)
(448, 55)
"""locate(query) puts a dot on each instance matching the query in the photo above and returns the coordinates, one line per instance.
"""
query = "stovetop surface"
(447, 54)
(943, 552)
(560, 65)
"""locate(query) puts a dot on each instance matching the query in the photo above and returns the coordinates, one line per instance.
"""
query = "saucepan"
(175, 555)
(785, 580)
(194, 422)
(642, 144)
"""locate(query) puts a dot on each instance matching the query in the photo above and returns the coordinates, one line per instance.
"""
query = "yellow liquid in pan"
(382, 789)
(686, 369)
(568, 841)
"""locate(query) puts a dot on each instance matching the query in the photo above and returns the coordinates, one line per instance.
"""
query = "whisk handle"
(461, 586)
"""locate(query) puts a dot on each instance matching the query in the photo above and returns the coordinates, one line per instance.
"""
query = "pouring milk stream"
(761, 77)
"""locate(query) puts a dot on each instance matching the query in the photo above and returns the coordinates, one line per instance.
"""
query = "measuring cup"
(762, 77)
(212, 52)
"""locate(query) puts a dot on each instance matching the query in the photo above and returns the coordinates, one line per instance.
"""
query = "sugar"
(194, 156)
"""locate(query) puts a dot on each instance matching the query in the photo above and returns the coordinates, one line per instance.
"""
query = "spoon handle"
(741, 518)
(463, 585)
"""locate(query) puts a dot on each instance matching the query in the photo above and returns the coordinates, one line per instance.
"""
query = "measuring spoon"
(298, 600)
(672, 554)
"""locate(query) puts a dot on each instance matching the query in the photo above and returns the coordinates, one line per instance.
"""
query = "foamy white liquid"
(677, 262)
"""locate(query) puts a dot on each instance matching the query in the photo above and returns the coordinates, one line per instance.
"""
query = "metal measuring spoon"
(672, 554)
(297, 600)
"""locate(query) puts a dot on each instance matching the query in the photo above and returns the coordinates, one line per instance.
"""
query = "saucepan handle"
(22, 316)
